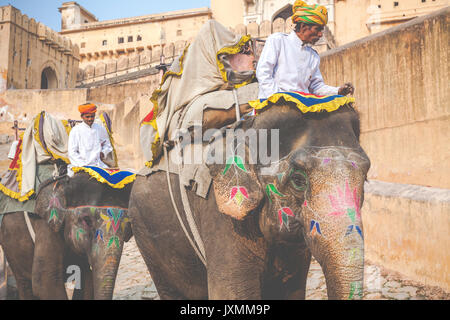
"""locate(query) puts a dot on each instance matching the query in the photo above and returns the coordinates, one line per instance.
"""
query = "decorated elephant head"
(93, 221)
(311, 194)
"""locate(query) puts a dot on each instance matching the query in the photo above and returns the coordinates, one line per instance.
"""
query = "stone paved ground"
(134, 282)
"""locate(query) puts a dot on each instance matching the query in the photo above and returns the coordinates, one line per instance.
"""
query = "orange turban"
(87, 108)
(310, 14)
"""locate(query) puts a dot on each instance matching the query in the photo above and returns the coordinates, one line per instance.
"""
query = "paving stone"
(392, 284)
(397, 295)
(408, 289)
(373, 296)
(313, 283)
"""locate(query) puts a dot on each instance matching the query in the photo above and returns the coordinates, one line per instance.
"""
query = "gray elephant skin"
(80, 227)
(260, 230)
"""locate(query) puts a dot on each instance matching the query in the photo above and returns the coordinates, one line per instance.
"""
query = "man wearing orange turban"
(88, 141)
(288, 63)
(87, 108)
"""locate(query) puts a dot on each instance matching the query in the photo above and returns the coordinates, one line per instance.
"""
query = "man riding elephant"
(72, 227)
(288, 63)
(88, 142)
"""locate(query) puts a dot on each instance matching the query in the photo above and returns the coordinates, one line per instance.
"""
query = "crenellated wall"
(151, 56)
(29, 49)
(126, 64)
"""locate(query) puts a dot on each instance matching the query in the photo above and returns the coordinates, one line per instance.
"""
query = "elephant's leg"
(18, 247)
(166, 290)
(85, 289)
(48, 263)
(286, 272)
(235, 262)
(171, 261)
(167, 277)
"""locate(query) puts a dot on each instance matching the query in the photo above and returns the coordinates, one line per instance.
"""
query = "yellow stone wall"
(28, 47)
(230, 13)
(353, 19)
(99, 41)
(406, 229)
(401, 79)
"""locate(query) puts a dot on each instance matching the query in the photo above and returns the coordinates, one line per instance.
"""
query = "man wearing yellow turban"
(89, 142)
(288, 63)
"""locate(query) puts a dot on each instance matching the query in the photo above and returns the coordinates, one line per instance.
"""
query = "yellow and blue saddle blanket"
(305, 102)
(115, 178)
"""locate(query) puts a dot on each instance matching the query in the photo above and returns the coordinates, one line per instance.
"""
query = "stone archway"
(49, 79)
(284, 13)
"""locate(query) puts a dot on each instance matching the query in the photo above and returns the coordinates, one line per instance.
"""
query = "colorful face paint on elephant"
(332, 217)
(236, 196)
(107, 225)
(320, 200)
(53, 206)
(89, 224)
(238, 193)
(99, 232)
(251, 253)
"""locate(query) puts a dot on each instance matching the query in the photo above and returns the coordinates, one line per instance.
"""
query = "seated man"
(287, 63)
(88, 142)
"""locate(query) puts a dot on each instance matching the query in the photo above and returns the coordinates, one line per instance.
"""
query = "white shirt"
(287, 64)
(85, 145)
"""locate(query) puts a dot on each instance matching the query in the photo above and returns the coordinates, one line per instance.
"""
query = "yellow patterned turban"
(310, 14)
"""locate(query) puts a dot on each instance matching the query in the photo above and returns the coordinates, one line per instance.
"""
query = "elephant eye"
(299, 181)
(86, 221)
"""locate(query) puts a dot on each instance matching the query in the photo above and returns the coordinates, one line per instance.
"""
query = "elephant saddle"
(115, 178)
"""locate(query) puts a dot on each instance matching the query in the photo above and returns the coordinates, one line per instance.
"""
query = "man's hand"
(102, 156)
(346, 89)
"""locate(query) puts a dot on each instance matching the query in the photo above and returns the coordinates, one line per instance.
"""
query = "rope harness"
(196, 242)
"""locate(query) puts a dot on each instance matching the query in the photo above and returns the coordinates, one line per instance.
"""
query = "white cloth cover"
(36, 151)
(199, 70)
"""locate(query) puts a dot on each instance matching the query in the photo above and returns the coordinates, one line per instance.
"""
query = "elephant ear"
(50, 205)
(236, 185)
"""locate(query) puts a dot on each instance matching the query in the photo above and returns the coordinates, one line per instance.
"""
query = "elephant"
(262, 223)
(80, 227)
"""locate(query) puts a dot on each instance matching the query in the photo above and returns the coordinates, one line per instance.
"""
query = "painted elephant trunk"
(105, 272)
(344, 282)
(334, 230)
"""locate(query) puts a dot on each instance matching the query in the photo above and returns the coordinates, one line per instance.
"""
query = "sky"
(46, 11)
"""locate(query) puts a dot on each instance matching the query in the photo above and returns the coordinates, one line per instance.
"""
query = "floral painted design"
(347, 203)
(355, 290)
(114, 240)
(314, 228)
(79, 233)
(234, 161)
(99, 235)
(53, 205)
(283, 215)
(238, 194)
(271, 189)
(112, 218)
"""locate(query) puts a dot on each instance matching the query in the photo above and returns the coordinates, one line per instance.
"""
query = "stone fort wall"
(150, 57)
(29, 49)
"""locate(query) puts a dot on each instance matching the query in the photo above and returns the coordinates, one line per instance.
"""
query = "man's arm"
(318, 86)
(104, 141)
(265, 69)
(73, 150)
